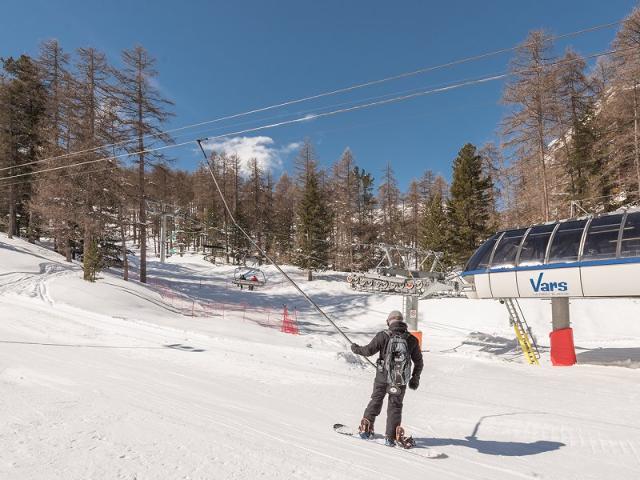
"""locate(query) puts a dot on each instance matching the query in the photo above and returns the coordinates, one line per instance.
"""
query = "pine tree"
(602, 125)
(624, 104)
(145, 110)
(268, 211)
(54, 195)
(435, 232)
(470, 204)
(414, 205)
(91, 130)
(493, 170)
(239, 243)
(389, 199)
(205, 201)
(254, 198)
(343, 200)
(214, 213)
(92, 260)
(284, 216)
(24, 104)
(305, 163)
(530, 124)
(313, 227)
(425, 185)
(4, 151)
(574, 122)
(440, 187)
(53, 63)
(365, 231)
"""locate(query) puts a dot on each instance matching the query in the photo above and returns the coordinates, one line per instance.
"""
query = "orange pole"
(418, 335)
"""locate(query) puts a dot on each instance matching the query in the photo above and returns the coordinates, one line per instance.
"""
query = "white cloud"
(262, 148)
(291, 147)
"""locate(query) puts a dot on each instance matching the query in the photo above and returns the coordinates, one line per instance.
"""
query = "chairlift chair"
(250, 277)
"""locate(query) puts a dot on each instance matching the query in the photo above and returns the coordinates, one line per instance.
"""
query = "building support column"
(563, 352)
(411, 316)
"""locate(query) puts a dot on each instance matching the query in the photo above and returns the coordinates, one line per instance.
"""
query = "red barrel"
(563, 352)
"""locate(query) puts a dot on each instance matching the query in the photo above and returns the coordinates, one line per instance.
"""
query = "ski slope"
(112, 380)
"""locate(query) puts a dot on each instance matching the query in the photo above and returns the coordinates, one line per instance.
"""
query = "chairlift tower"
(404, 271)
(412, 273)
(163, 211)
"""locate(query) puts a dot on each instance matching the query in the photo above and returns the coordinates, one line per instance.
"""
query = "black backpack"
(397, 360)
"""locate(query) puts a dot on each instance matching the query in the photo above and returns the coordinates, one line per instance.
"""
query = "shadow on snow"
(494, 447)
(621, 357)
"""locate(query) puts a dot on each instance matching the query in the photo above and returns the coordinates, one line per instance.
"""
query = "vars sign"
(539, 286)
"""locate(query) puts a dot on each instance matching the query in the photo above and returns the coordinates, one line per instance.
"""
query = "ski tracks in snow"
(35, 285)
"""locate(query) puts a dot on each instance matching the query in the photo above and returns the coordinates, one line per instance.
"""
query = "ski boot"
(389, 442)
(404, 442)
(365, 429)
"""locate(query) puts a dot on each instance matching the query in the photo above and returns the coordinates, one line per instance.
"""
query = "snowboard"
(419, 451)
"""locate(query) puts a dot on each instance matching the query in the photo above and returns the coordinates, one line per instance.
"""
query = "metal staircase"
(523, 331)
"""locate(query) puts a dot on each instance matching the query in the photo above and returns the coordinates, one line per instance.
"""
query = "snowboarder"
(397, 349)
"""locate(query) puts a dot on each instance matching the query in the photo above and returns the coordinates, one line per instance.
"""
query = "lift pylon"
(404, 271)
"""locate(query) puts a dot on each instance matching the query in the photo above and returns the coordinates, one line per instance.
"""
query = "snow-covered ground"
(117, 380)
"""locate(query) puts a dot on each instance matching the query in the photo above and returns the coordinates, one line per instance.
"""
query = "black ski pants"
(394, 407)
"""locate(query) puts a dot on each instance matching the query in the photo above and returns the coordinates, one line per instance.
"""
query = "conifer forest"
(82, 163)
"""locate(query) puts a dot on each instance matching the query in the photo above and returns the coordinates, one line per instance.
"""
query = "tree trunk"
(67, 250)
(545, 191)
(154, 235)
(134, 227)
(12, 230)
(635, 136)
(123, 241)
(31, 231)
(142, 229)
(310, 275)
(142, 206)
(87, 242)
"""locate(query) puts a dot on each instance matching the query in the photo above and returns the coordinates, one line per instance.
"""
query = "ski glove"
(355, 348)
(414, 383)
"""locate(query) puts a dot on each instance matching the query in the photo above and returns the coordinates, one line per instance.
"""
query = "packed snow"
(190, 377)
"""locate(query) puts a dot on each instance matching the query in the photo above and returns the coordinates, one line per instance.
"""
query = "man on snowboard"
(397, 348)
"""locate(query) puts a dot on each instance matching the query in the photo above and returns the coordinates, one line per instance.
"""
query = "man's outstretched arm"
(372, 348)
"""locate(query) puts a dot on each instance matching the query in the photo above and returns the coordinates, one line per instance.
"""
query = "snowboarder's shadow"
(493, 447)
(184, 348)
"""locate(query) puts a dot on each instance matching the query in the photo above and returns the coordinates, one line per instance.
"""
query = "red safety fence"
(263, 316)
(289, 323)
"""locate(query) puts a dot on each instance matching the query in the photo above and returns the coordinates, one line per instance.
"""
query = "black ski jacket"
(379, 345)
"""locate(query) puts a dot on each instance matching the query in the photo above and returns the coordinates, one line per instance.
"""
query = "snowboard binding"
(365, 429)
(402, 440)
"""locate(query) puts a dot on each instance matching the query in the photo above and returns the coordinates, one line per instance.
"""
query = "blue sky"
(218, 58)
